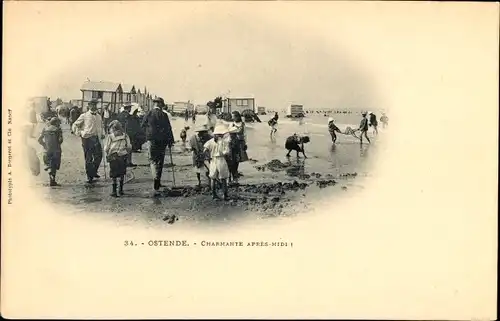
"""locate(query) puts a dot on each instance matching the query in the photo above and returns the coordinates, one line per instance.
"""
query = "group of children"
(219, 154)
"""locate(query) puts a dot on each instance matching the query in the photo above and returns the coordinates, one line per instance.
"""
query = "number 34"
(129, 243)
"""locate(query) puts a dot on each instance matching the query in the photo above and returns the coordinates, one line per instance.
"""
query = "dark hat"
(127, 105)
(93, 102)
(159, 100)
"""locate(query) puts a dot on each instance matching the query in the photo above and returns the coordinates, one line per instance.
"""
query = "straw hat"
(201, 128)
(220, 130)
(330, 119)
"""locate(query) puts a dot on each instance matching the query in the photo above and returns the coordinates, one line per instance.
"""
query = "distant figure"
(33, 120)
(117, 147)
(363, 127)
(51, 139)
(273, 122)
(184, 134)
(384, 120)
(218, 149)
(125, 119)
(160, 136)
(374, 123)
(296, 143)
(186, 115)
(89, 127)
(106, 118)
(194, 117)
(196, 144)
(332, 128)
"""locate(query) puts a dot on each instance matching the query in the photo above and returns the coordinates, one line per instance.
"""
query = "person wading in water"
(273, 122)
(117, 147)
(384, 120)
(160, 136)
(89, 127)
(51, 138)
(374, 122)
(296, 143)
(363, 127)
(238, 146)
(332, 128)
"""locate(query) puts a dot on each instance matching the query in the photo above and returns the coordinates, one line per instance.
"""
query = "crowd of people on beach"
(217, 148)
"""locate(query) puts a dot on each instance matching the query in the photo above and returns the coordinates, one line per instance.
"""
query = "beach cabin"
(106, 93)
(180, 108)
(144, 99)
(295, 111)
(201, 109)
(129, 93)
(238, 104)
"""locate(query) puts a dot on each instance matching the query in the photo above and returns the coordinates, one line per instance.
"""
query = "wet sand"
(272, 184)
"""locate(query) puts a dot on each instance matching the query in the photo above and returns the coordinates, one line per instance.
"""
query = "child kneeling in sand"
(117, 147)
(218, 148)
(296, 143)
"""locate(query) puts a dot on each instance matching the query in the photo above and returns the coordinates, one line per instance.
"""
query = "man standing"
(363, 127)
(124, 118)
(160, 136)
(89, 127)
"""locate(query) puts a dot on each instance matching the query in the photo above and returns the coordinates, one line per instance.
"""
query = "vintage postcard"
(292, 159)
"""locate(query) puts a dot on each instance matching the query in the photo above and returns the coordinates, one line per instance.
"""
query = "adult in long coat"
(160, 136)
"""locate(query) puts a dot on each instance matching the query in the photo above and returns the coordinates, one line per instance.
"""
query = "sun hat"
(201, 128)
(220, 130)
(330, 119)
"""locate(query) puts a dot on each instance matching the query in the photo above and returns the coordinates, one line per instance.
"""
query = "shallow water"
(325, 160)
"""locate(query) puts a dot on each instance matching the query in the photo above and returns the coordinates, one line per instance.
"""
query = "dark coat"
(157, 126)
(74, 113)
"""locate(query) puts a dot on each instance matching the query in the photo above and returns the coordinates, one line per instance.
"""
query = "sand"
(272, 185)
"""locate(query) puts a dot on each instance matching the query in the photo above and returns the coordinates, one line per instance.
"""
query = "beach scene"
(272, 185)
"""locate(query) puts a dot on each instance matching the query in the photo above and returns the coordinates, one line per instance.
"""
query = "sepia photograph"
(317, 153)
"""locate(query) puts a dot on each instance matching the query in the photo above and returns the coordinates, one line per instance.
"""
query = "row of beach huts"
(114, 95)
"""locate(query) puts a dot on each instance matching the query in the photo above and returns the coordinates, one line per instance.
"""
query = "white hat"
(220, 130)
(201, 128)
(330, 119)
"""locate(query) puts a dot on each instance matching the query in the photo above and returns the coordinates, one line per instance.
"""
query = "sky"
(237, 54)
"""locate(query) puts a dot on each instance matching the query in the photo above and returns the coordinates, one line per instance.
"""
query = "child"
(51, 139)
(184, 134)
(273, 122)
(332, 128)
(196, 144)
(117, 148)
(218, 148)
(296, 143)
